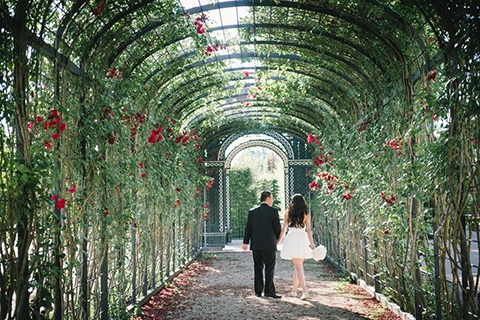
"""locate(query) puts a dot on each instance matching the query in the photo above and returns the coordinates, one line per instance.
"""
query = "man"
(262, 231)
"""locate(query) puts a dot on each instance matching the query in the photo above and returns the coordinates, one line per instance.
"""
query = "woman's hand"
(312, 246)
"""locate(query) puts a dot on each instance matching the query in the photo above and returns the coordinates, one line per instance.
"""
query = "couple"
(263, 232)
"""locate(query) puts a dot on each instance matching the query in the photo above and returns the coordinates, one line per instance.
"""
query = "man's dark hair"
(265, 194)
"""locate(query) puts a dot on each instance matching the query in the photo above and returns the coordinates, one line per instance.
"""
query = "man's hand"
(244, 246)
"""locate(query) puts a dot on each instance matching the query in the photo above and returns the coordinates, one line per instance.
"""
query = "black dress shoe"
(258, 294)
(275, 296)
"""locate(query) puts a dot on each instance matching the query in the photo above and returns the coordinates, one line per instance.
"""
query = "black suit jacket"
(263, 228)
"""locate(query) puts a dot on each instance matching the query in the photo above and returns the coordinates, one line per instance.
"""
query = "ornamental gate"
(291, 149)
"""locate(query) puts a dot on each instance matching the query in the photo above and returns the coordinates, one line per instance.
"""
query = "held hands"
(244, 246)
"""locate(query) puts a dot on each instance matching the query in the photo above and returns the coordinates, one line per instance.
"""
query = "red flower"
(387, 200)
(178, 204)
(111, 138)
(47, 145)
(140, 165)
(347, 196)
(56, 135)
(152, 139)
(155, 135)
(313, 184)
(60, 203)
(96, 11)
(310, 139)
(30, 125)
(62, 126)
(47, 125)
(144, 175)
(54, 113)
(133, 130)
(319, 160)
(39, 119)
(178, 189)
(246, 74)
(72, 189)
(208, 51)
(432, 76)
(54, 197)
(364, 125)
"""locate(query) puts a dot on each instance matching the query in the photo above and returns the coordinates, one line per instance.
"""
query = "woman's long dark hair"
(297, 210)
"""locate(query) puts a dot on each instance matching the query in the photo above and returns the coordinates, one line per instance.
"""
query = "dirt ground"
(220, 286)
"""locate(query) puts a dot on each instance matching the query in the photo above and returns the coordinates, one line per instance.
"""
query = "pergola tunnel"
(120, 121)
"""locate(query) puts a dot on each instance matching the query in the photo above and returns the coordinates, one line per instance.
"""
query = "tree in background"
(272, 185)
(243, 196)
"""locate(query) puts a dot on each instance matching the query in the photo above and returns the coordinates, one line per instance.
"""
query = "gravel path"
(220, 286)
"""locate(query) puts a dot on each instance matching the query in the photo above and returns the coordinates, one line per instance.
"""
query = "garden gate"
(295, 156)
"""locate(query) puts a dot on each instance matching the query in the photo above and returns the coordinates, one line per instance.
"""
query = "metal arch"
(311, 48)
(311, 110)
(331, 12)
(259, 115)
(243, 55)
(256, 143)
(262, 107)
(228, 129)
(276, 136)
(66, 20)
(295, 5)
(123, 45)
(264, 25)
(183, 85)
(240, 96)
(115, 19)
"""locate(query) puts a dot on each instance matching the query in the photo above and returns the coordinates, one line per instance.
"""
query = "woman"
(298, 243)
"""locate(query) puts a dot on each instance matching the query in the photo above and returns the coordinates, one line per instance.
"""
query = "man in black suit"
(262, 231)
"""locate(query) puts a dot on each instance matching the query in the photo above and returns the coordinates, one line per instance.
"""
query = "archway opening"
(252, 170)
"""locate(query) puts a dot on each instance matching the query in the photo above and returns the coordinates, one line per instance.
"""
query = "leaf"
(23, 169)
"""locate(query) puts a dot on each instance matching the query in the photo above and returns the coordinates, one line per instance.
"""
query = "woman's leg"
(298, 267)
(295, 280)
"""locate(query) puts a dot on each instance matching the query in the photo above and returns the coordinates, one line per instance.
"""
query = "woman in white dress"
(298, 243)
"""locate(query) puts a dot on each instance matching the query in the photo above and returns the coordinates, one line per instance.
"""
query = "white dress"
(296, 245)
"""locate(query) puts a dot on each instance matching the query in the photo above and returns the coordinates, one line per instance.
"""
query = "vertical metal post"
(84, 294)
(154, 264)
(204, 220)
(436, 256)
(134, 266)
(365, 258)
(174, 245)
(467, 291)
(418, 276)
(104, 276)
(376, 275)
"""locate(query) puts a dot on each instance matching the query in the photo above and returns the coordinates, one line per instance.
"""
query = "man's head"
(267, 197)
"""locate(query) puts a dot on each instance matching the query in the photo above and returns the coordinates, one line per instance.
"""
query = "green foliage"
(243, 196)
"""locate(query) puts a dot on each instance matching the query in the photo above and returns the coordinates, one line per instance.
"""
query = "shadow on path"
(223, 289)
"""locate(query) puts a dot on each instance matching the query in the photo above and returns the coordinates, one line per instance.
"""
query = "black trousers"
(261, 259)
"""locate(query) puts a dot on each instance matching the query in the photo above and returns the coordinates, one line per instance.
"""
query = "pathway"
(221, 287)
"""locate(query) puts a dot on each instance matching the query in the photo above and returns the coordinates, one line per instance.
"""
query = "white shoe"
(293, 294)
(305, 296)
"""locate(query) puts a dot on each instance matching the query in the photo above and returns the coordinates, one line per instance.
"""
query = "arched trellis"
(293, 153)
(354, 38)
